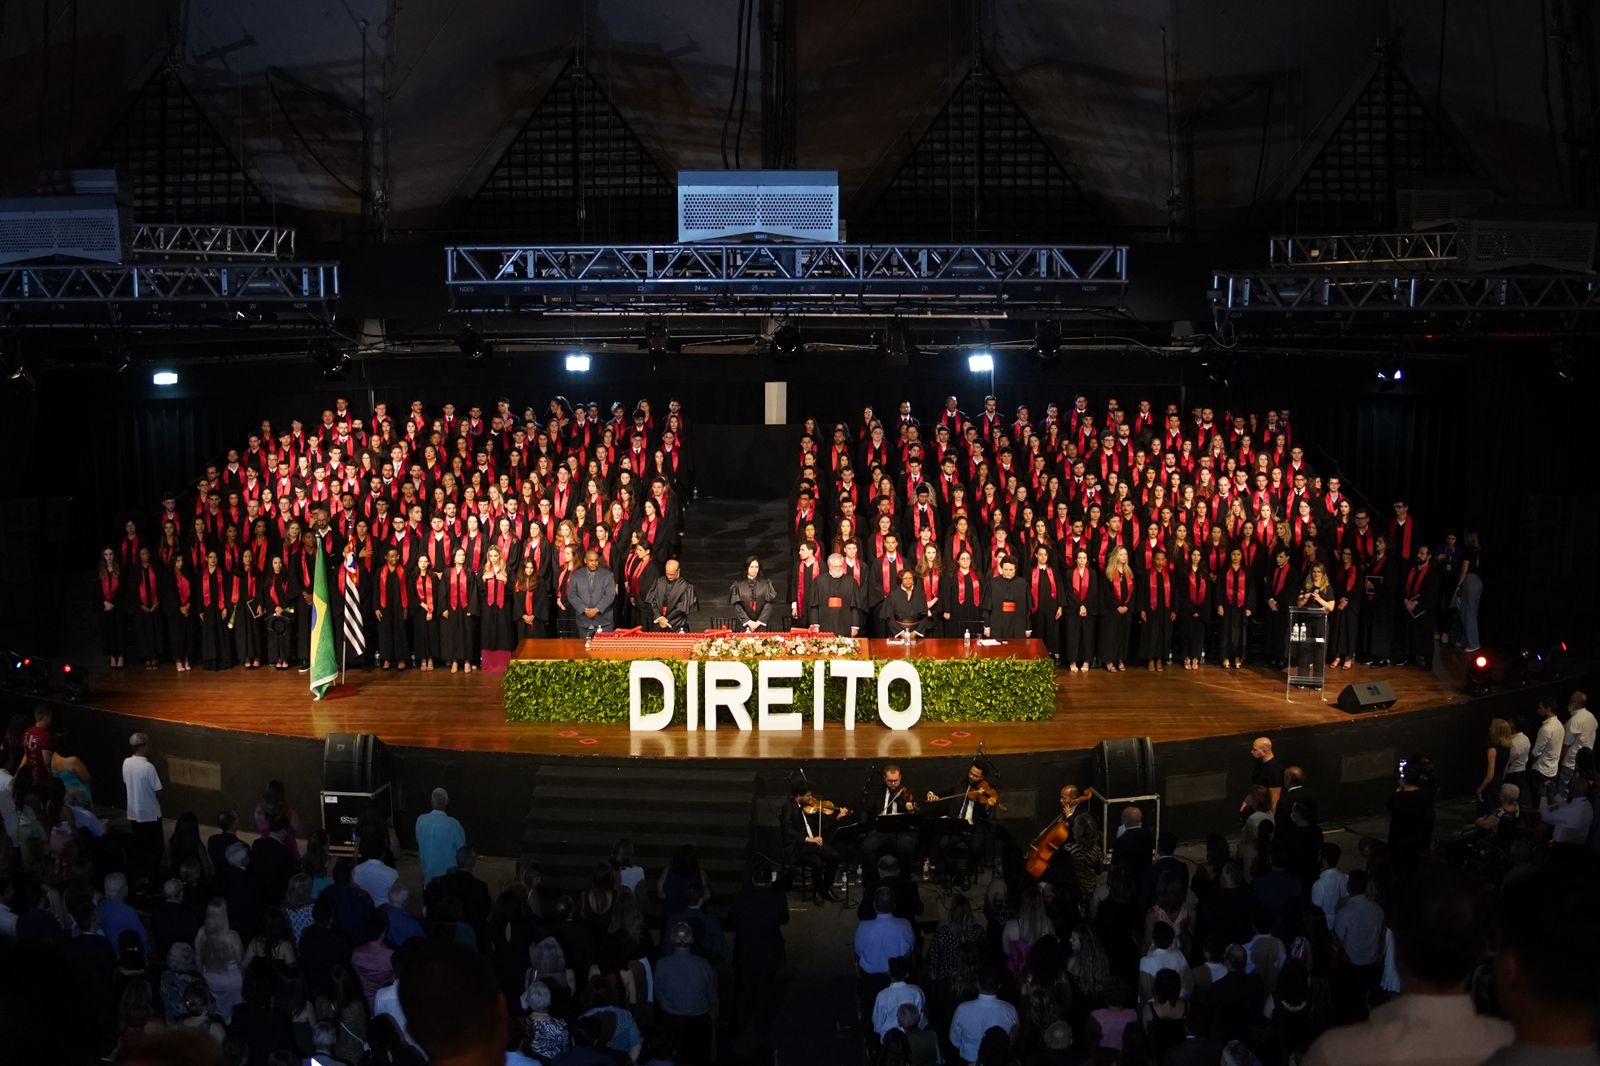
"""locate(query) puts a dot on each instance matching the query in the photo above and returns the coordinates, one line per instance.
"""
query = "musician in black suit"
(965, 823)
(802, 837)
(894, 798)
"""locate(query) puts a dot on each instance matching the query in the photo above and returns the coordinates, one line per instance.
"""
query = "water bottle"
(966, 638)
(926, 869)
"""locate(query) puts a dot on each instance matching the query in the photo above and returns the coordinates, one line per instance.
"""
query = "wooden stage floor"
(463, 712)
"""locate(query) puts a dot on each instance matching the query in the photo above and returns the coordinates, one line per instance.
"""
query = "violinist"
(801, 822)
(894, 798)
(966, 821)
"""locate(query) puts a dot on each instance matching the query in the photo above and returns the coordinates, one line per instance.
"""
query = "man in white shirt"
(977, 1016)
(1358, 926)
(1517, 763)
(886, 1009)
(1545, 759)
(1440, 937)
(1332, 886)
(374, 876)
(142, 783)
(1163, 955)
(1579, 734)
(1570, 818)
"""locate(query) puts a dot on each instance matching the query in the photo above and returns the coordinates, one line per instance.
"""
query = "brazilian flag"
(324, 663)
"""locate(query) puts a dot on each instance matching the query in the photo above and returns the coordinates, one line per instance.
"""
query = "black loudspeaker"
(1371, 696)
(1125, 767)
(354, 762)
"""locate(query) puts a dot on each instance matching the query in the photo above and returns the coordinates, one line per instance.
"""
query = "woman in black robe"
(498, 638)
(961, 593)
(904, 612)
(178, 610)
(1044, 600)
(248, 636)
(1158, 610)
(752, 597)
(219, 594)
(1278, 595)
(1345, 625)
(279, 600)
(1081, 604)
(1377, 613)
(147, 621)
(1236, 602)
(392, 611)
(531, 607)
(1121, 592)
(455, 615)
(425, 604)
(1006, 603)
(1194, 609)
(113, 619)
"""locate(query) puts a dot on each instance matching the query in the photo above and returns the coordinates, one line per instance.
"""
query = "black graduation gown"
(1158, 601)
(250, 638)
(1378, 612)
(1275, 623)
(113, 623)
(1005, 608)
(1116, 629)
(1235, 594)
(494, 612)
(1044, 600)
(835, 603)
(899, 613)
(391, 609)
(281, 637)
(177, 595)
(534, 604)
(1417, 629)
(425, 589)
(216, 639)
(1081, 614)
(1194, 611)
(633, 590)
(1346, 621)
(961, 598)
(147, 625)
(457, 623)
(752, 601)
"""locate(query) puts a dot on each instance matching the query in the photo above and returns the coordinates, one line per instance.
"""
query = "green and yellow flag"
(324, 663)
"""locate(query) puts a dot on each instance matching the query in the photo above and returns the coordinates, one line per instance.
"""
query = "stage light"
(121, 359)
(1046, 349)
(1390, 372)
(788, 342)
(657, 338)
(72, 681)
(578, 363)
(472, 345)
(1518, 669)
(164, 377)
(22, 377)
(1478, 675)
(981, 362)
(331, 358)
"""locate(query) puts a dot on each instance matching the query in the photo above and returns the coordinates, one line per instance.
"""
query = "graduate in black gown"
(1277, 595)
(905, 610)
(497, 640)
(424, 620)
(1158, 610)
(147, 621)
(457, 635)
(1080, 595)
(112, 615)
(961, 598)
(1194, 609)
(752, 598)
(1005, 604)
(1236, 602)
(1419, 599)
(1345, 626)
(1044, 600)
(835, 600)
(1377, 613)
(279, 600)
(250, 638)
(532, 605)
(392, 612)
(1120, 598)
(177, 608)
(219, 595)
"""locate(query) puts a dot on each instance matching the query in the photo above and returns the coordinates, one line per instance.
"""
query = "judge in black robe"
(177, 608)
(1278, 594)
(1158, 610)
(961, 599)
(391, 612)
(457, 629)
(1194, 610)
(1081, 605)
(1005, 604)
(1236, 602)
(1120, 598)
(424, 615)
(1378, 612)
(752, 598)
(835, 600)
(1044, 601)
(905, 610)
(1419, 599)
(671, 600)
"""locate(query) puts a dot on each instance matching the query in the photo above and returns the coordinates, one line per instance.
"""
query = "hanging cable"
(744, 92)
(287, 117)
(733, 90)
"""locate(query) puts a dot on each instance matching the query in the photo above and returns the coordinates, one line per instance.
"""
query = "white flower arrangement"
(775, 646)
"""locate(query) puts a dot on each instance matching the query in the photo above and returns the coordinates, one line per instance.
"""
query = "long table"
(681, 646)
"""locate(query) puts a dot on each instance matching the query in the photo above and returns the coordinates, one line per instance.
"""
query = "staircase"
(579, 811)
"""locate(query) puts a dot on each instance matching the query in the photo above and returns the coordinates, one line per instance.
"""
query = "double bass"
(1053, 837)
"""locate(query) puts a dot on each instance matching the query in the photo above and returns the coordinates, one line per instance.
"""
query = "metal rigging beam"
(1353, 297)
(225, 284)
(1421, 250)
(801, 278)
(183, 240)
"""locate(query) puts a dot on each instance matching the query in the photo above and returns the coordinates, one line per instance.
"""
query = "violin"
(1053, 837)
(823, 806)
(981, 792)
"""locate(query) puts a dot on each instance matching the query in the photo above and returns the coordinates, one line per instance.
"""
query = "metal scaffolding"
(194, 284)
(1351, 297)
(801, 278)
(201, 241)
(1421, 250)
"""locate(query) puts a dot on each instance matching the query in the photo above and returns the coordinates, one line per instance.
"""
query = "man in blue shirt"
(439, 836)
(883, 938)
(116, 917)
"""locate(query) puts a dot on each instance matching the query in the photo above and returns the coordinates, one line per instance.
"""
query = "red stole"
(383, 586)
(147, 587)
(1166, 589)
(108, 586)
(1234, 586)
(961, 587)
(1280, 576)
(1197, 587)
(1414, 580)
(181, 581)
(458, 589)
(1034, 585)
(1080, 583)
(494, 589)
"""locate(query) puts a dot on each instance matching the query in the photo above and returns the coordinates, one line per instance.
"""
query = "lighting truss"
(797, 278)
(206, 242)
(185, 283)
(1353, 296)
(1421, 250)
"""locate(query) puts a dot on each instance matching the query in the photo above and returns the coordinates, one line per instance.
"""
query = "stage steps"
(579, 811)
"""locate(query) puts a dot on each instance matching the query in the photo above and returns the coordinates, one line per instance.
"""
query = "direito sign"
(724, 689)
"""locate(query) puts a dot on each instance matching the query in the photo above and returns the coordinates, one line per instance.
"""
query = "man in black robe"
(670, 601)
(835, 600)
(1006, 604)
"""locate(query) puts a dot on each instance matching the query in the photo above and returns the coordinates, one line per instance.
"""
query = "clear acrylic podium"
(1308, 651)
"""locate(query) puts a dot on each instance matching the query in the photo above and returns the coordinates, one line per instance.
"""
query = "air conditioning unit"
(41, 228)
(1519, 238)
(758, 205)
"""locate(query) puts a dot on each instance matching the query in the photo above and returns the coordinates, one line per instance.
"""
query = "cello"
(1053, 837)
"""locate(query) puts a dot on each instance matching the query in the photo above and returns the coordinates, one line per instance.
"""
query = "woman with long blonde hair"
(1116, 616)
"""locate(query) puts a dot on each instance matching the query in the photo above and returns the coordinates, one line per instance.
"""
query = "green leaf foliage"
(595, 691)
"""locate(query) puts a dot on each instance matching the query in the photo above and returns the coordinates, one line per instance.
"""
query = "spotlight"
(895, 347)
(73, 682)
(22, 377)
(981, 362)
(788, 342)
(1390, 372)
(1478, 675)
(472, 345)
(1519, 669)
(331, 358)
(1046, 349)
(578, 363)
(164, 377)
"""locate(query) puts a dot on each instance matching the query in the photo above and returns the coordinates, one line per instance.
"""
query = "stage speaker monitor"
(1125, 767)
(354, 762)
(1370, 696)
